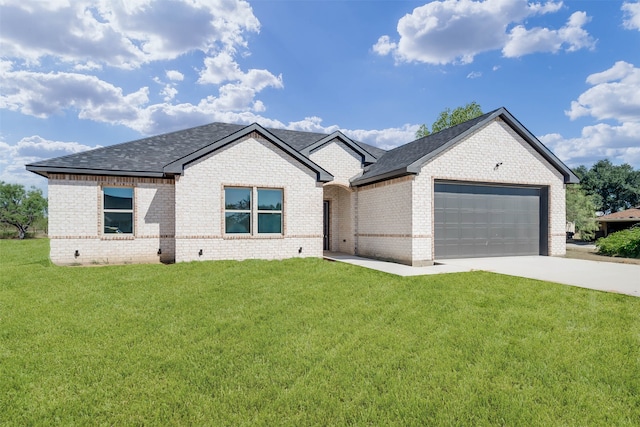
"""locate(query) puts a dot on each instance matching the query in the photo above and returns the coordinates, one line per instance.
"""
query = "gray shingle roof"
(167, 154)
(409, 158)
(146, 156)
(398, 159)
(150, 156)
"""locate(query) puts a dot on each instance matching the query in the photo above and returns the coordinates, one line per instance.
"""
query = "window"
(241, 215)
(269, 211)
(118, 210)
(237, 210)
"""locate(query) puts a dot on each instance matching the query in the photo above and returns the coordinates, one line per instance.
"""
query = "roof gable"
(366, 156)
(177, 166)
(409, 158)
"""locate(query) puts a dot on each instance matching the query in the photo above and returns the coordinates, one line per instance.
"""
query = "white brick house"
(486, 187)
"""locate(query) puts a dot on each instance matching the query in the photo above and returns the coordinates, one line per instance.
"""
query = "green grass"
(307, 342)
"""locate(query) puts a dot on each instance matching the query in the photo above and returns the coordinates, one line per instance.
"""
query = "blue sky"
(79, 74)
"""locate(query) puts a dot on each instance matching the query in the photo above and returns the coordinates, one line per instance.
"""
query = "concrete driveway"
(598, 275)
(602, 276)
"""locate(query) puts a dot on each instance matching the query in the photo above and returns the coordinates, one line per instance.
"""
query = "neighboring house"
(486, 187)
(619, 220)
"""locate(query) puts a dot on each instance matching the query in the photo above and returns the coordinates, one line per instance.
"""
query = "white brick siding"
(75, 221)
(384, 228)
(251, 162)
(339, 160)
(342, 218)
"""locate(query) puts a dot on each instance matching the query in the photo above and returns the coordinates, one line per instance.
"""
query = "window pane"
(237, 198)
(269, 223)
(237, 222)
(118, 222)
(118, 198)
(270, 200)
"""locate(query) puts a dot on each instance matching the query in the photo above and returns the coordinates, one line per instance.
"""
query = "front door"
(325, 228)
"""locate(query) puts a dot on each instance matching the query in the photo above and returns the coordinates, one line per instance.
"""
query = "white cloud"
(631, 15)
(474, 75)
(175, 75)
(615, 94)
(122, 34)
(45, 94)
(223, 68)
(169, 92)
(14, 157)
(386, 139)
(572, 37)
(384, 46)
(455, 31)
(616, 143)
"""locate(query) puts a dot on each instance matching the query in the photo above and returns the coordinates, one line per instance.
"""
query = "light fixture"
(159, 251)
(200, 252)
(77, 253)
(300, 250)
(495, 168)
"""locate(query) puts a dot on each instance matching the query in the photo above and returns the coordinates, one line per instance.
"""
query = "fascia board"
(45, 170)
(358, 181)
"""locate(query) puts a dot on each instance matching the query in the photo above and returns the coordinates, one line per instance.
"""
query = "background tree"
(21, 208)
(581, 211)
(448, 118)
(614, 187)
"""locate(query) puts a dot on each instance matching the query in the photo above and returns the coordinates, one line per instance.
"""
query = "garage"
(473, 220)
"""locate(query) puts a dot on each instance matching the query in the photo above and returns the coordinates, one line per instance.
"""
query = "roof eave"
(361, 180)
(46, 170)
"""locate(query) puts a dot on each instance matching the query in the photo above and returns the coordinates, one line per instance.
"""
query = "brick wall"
(250, 162)
(475, 159)
(76, 222)
(343, 163)
(383, 226)
(342, 218)
(339, 160)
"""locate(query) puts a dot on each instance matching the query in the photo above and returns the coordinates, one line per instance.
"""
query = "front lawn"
(307, 342)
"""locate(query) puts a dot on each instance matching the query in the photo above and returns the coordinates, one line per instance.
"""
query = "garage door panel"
(476, 221)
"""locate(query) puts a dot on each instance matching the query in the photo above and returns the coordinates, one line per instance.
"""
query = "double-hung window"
(117, 210)
(243, 216)
(237, 210)
(269, 210)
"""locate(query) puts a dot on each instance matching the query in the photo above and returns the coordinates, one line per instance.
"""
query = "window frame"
(106, 210)
(240, 211)
(270, 211)
(254, 212)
